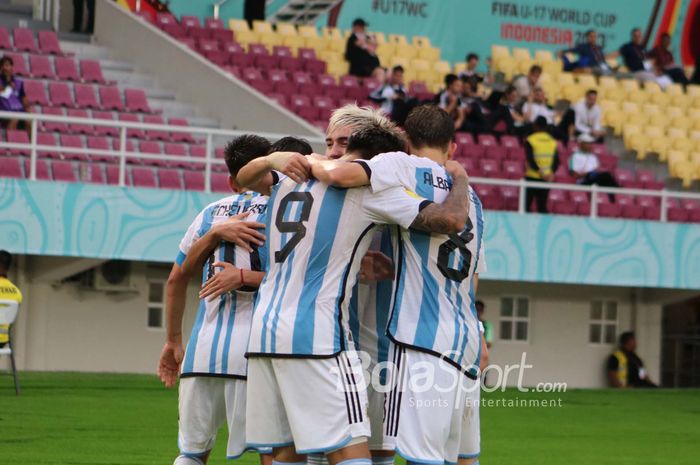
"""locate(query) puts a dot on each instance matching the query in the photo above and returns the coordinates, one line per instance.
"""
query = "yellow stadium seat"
(660, 98)
(337, 68)
(307, 31)
(522, 54)
(417, 64)
(442, 67)
(565, 79)
(262, 26)
(676, 157)
(552, 67)
(650, 108)
(695, 102)
(640, 144)
(674, 111)
(660, 146)
(379, 37)
(429, 53)
(694, 114)
(294, 42)
(421, 41)
(613, 118)
(425, 74)
(337, 45)
(398, 39)
(674, 89)
(524, 65)
(317, 43)
(328, 56)
(630, 107)
(573, 92)
(406, 51)
(676, 133)
(658, 119)
(694, 135)
(685, 145)
(246, 37)
(287, 29)
(542, 56)
(682, 101)
(685, 171)
(498, 51)
(654, 131)
(238, 25)
(652, 87)
(607, 105)
(630, 129)
(607, 81)
(399, 61)
(637, 118)
(270, 39)
(331, 33)
(629, 84)
(637, 96)
(386, 49)
(693, 90)
(681, 122)
(695, 158)
(508, 68)
(587, 80)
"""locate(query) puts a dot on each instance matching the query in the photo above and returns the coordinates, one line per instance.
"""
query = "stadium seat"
(143, 177)
(41, 67)
(111, 98)
(155, 134)
(180, 136)
(48, 43)
(11, 168)
(63, 171)
(99, 143)
(60, 94)
(48, 140)
(24, 40)
(93, 173)
(17, 137)
(42, 170)
(79, 128)
(169, 179)
(219, 182)
(36, 94)
(105, 130)
(50, 126)
(193, 180)
(5, 42)
(136, 100)
(136, 132)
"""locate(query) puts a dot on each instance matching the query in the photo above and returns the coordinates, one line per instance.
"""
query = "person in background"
(253, 10)
(585, 167)
(525, 84)
(8, 291)
(624, 368)
(542, 161)
(393, 95)
(589, 116)
(12, 96)
(536, 106)
(635, 57)
(78, 7)
(450, 99)
(472, 110)
(590, 56)
(664, 60)
(505, 116)
(488, 327)
(470, 71)
(292, 144)
(360, 50)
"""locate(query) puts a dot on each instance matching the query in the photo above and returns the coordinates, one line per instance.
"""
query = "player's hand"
(376, 267)
(239, 232)
(169, 363)
(316, 158)
(455, 169)
(294, 165)
(226, 280)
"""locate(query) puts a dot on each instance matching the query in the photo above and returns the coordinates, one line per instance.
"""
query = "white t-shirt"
(587, 119)
(538, 109)
(582, 162)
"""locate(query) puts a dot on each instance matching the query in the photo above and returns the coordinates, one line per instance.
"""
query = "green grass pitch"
(75, 418)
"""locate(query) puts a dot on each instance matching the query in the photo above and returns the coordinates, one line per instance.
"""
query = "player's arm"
(340, 173)
(449, 217)
(258, 174)
(229, 279)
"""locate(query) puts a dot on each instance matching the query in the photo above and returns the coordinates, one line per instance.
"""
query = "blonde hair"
(354, 116)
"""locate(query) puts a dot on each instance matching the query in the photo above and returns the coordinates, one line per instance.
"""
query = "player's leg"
(202, 411)
(381, 452)
(470, 441)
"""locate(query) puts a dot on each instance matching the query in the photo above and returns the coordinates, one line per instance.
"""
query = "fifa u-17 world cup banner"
(462, 26)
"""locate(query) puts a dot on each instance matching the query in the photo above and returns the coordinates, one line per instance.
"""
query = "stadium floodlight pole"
(207, 165)
(594, 201)
(32, 161)
(122, 156)
(521, 196)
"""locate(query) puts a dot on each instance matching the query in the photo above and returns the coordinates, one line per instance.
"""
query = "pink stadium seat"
(177, 150)
(19, 64)
(310, 62)
(18, 137)
(510, 196)
(559, 203)
(189, 21)
(85, 96)
(136, 100)
(137, 132)
(111, 98)
(51, 126)
(74, 141)
(150, 148)
(48, 43)
(5, 43)
(491, 168)
(607, 162)
(495, 152)
(47, 139)
(194, 180)
(487, 139)
(219, 153)
(60, 94)
(80, 128)
(11, 168)
(105, 130)
(651, 206)
(582, 201)
(676, 212)
(219, 182)
(509, 141)
(281, 99)
(490, 197)
(116, 146)
(207, 45)
(165, 19)
(169, 179)
(648, 180)
(213, 23)
(63, 171)
(66, 69)
(155, 134)
(464, 138)
(91, 71)
(42, 170)
(36, 94)
(516, 153)
(513, 169)
(100, 143)
(626, 178)
(112, 172)
(474, 151)
(199, 151)
(41, 67)
(180, 136)
(143, 177)
(93, 173)
(628, 206)
(198, 32)
(608, 210)
(24, 40)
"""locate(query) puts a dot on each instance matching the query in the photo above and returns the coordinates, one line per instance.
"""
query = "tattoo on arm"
(448, 217)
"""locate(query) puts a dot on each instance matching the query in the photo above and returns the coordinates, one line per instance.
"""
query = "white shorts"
(205, 404)
(309, 402)
(470, 443)
(423, 419)
(375, 412)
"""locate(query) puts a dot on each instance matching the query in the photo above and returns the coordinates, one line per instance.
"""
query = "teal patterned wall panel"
(83, 220)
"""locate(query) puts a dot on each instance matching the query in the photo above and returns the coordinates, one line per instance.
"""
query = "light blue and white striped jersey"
(316, 238)
(433, 309)
(219, 336)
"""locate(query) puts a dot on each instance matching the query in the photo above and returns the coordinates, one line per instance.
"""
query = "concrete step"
(7, 8)
(114, 65)
(202, 122)
(74, 37)
(86, 49)
(129, 79)
(156, 93)
(10, 21)
(172, 108)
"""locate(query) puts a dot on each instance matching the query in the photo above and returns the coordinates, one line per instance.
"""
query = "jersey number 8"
(456, 242)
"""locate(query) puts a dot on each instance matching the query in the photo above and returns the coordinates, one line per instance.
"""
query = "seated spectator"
(393, 96)
(470, 71)
(8, 291)
(12, 96)
(664, 60)
(589, 116)
(472, 110)
(525, 84)
(625, 368)
(635, 57)
(360, 50)
(585, 167)
(450, 98)
(537, 106)
(590, 56)
(661, 77)
(505, 117)
(542, 161)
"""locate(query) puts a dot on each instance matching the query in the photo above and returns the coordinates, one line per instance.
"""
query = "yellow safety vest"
(621, 367)
(8, 291)
(544, 147)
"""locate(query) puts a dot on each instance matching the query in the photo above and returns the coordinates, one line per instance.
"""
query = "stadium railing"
(123, 155)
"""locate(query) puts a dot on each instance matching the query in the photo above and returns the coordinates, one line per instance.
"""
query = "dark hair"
(292, 144)
(540, 123)
(665, 35)
(479, 302)
(591, 91)
(6, 59)
(534, 68)
(589, 32)
(635, 30)
(397, 68)
(5, 260)
(373, 139)
(472, 56)
(626, 337)
(429, 126)
(449, 79)
(241, 150)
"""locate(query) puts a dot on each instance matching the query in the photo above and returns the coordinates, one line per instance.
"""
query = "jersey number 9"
(295, 227)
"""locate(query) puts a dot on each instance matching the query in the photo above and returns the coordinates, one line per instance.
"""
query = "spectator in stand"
(661, 78)
(360, 50)
(589, 116)
(393, 96)
(635, 57)
(505, 117)
(625, 368)
(78, 7)
(450, 99)
(525, 84)
(585, 167)
(472, 110)
(537, 106)
(542, 161)
(12, 96)
(664, 60)
(470, 71)
(590, 56)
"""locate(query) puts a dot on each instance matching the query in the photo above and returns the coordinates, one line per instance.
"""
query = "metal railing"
(123, 155)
